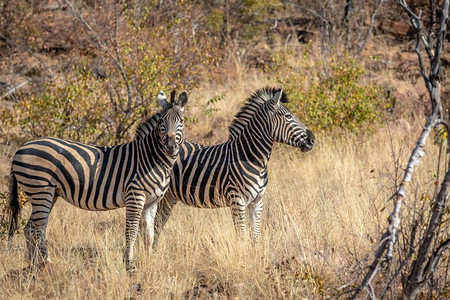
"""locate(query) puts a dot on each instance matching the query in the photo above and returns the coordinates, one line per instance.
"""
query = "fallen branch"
(14, 89)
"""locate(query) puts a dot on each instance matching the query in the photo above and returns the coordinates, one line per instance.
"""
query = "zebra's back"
(89, 177)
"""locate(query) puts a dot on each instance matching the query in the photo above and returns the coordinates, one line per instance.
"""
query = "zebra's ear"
(182, 99)
(275, 101)
(173, 93)
(162, 99)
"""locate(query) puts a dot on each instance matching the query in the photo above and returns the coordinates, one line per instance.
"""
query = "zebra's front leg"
(134, 207)
(255, 209)
(238, 212)
(147, 224)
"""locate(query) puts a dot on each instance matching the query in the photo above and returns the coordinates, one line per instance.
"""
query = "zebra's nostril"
(171, 149)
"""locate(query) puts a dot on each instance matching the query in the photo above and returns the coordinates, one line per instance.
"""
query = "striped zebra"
(134, 175)
(234, 173)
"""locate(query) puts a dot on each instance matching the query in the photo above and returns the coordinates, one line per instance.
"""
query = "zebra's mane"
(241, 119)
(251, 106)
(146, 127)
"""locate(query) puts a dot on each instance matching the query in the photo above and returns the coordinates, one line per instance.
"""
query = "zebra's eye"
(289, 117)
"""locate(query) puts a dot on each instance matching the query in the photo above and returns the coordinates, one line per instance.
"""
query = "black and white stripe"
(133, 175)
(235, 173)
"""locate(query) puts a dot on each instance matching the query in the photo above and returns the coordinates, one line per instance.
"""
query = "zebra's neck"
(254, 144)
(152, 153)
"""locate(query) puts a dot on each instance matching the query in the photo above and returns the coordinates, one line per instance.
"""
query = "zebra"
(134, 175)
(234, 174)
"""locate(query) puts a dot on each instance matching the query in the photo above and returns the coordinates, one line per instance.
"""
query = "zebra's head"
(171, 122)
(286, 127)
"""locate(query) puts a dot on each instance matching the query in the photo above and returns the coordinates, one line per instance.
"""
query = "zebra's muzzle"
(306, 148)
(171, 150)
(309, 142)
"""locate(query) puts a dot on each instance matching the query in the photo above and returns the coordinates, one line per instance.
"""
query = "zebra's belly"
(97, 201)
(215, 198)
(209, 183)
(198, 196)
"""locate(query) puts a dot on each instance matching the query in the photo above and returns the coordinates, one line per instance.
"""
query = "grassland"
(324, 211)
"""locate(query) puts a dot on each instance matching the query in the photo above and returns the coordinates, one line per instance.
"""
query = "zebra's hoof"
(131, 268)
(135, 288)
(131, 265)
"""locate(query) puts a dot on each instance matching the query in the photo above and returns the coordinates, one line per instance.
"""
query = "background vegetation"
(92, 70)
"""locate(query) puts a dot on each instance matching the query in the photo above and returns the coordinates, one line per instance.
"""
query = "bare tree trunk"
(428, 254)
(425, 260)
(347, 8)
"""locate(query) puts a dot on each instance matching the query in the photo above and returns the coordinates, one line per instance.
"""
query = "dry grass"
(323, 212)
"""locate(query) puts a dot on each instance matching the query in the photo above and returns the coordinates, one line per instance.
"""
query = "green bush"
(82, 108)
(100, 102)
(339, 101)
(239, 22)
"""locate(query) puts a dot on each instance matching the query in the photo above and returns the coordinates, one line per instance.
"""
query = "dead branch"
(423, 265)
(369, 31)
(14, 89)
(113, 55)
(384, 253)
(347, 8)
(31, 52)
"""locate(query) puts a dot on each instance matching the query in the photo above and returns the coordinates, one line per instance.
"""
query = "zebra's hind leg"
(238, 211)
(165, 207)
(35, 230)
(255, 209)
(35, 237)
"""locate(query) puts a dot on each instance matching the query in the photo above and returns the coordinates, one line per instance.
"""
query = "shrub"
(77, 108)
(339, 101)
(135, 58)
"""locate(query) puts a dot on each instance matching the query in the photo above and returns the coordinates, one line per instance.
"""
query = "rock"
(406, 96)
(400, 127)
(421, 90)
(396, 28)
(445, 59)
(51, 5)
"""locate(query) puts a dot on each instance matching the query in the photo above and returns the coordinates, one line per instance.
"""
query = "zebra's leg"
(238, 211)
(134, 204)
(147, 223)
(35, 230)
(165, 207)
(255, 209)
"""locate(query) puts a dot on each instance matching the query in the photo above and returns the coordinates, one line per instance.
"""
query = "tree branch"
(27, 49)
(114, 56)
(369, 31)
(436, 118)
(419, 273)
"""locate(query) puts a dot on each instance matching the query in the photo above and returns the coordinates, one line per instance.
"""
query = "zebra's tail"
(14, 207)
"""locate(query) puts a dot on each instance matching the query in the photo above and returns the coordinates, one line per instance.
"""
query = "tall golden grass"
(324, 211)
